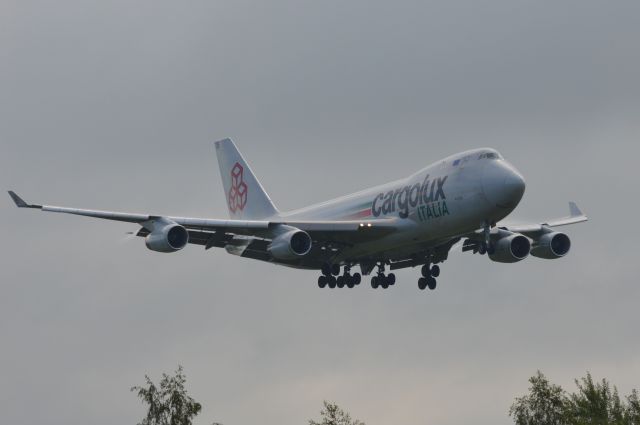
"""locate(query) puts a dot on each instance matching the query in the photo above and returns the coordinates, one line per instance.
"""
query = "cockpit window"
(489, 155)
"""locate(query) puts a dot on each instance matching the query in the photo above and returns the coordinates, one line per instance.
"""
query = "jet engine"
(510, 249)
(290, 245)
(551, 245)
(169, 238)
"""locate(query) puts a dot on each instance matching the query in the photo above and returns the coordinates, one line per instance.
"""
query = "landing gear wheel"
(384, 282)
(375, 282)
(350, 281)
(482, 249)
(426, 271)
(431, 283)
(435, 271)
(331, 281)
(322, 281)
(422, 283)
(335, 269)
(340, 281)
(392, 279)
(357, 278)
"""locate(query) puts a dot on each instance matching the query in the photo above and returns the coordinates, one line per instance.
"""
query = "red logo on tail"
(239, 190)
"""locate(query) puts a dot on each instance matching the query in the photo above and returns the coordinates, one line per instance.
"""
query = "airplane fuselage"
(448, 198)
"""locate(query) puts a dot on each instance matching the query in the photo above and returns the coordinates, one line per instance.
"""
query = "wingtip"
(20, 203)
(17, 200)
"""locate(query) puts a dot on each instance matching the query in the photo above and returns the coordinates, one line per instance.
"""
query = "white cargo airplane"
(407, 223)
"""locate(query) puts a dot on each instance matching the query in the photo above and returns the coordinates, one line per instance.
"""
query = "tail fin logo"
(239, 190)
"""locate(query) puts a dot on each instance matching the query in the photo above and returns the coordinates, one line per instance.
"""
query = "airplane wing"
(218, 233)
(474, 240)
(575, 216)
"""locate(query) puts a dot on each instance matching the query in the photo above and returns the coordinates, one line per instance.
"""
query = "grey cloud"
(115, 105)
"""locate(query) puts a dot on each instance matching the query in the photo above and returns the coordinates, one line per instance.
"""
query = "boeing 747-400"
(411, 222)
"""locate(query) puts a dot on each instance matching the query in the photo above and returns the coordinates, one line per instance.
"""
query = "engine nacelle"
(551, 245)
(293, 244)
(168, 238)
(510, 249)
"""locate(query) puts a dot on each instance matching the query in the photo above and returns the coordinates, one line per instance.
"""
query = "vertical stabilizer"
(244, 194)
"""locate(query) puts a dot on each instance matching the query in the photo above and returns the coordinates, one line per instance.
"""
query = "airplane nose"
(503, 185)
(514, 187)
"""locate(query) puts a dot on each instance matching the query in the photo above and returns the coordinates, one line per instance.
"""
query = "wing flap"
(206, 239)
(345, 231)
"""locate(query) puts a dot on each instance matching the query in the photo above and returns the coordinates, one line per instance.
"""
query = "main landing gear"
(382, 280)
(331, 277)
(429, 274)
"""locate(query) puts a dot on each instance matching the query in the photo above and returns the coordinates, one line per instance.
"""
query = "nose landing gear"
(429, 274)
(486, 247)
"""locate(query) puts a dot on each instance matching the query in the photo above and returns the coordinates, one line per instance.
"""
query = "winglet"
(574, 210)
(20, 203)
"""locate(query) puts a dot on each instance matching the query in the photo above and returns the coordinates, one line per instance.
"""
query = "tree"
(331, 414)
(544, 405)
(595, 403)
(632, 415)
(168, 402)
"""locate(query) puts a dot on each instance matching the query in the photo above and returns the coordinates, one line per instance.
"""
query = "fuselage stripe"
(361, 214)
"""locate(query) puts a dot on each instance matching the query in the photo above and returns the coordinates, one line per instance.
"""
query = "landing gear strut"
(381, 279)
(486, 246)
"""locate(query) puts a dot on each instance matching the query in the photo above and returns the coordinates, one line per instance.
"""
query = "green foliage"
(168, 402)
(331, 414)
(544, 405)
(594, 403)
(633, 408)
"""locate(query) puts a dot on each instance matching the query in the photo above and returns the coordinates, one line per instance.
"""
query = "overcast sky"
(115, 105)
